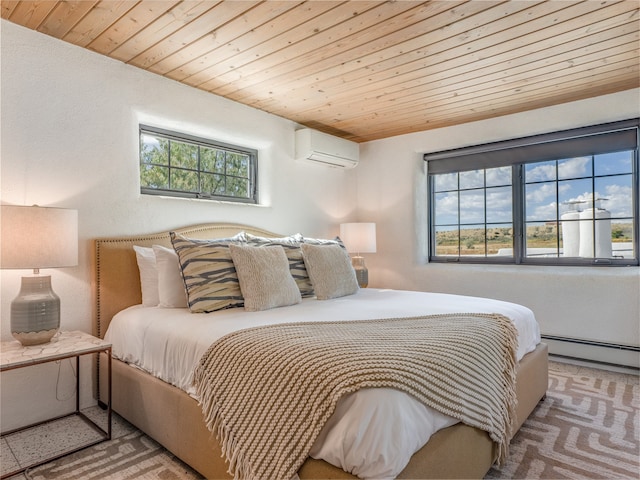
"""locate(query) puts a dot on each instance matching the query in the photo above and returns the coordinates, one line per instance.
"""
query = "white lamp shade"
(38, 237)
(359, 237)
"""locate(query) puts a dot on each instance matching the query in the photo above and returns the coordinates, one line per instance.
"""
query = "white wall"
(70, 139)
(601, 304)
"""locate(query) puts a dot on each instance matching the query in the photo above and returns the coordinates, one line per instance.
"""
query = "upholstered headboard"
(116, 279)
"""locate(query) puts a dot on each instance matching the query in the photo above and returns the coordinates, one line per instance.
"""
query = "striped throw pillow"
(323, 241)
(208, 272)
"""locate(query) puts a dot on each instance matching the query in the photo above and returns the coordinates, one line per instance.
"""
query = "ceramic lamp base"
(362, 274)
(34, 338)
(35, 312)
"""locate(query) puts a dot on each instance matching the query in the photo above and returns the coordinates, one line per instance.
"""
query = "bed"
(171, 415)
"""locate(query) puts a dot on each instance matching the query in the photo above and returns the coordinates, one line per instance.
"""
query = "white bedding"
(373, 432)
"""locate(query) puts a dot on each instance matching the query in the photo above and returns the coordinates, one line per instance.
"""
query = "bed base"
(174, 419)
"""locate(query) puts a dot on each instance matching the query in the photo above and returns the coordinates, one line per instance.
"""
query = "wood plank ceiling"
(364, 70)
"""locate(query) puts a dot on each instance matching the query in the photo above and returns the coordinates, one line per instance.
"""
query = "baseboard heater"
(593, 343)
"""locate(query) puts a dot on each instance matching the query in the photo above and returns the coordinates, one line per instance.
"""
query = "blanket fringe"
(238, 465)
(511, 339)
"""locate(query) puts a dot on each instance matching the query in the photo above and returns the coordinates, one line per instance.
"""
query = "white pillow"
(146, 259)
(264, 276)
(171, 289)
(330, 270)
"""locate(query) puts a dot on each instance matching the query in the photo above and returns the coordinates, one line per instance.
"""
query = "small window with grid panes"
(176, 164)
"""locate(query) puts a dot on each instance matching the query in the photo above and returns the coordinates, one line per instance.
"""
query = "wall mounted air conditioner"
(319, 147)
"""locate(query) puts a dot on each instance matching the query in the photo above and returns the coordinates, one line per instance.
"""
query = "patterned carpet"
(587, 427)
(132, 456)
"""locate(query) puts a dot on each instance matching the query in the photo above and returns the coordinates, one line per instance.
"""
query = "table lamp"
(37, 237)
(359, 238)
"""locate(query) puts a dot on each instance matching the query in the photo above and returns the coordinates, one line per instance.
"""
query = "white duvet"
(373, 432)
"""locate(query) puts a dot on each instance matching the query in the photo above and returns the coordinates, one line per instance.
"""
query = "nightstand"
(74, 344)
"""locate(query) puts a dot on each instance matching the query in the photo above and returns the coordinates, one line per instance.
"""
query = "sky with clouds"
(567, 183)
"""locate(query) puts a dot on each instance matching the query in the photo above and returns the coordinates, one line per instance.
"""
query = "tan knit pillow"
(292, 250)
(330, 270)
(265, 280)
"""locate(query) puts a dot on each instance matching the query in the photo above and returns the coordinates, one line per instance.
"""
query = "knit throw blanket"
(268, 391)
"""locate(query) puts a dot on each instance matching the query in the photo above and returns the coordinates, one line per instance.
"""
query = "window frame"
(519, 152)
(200, 142)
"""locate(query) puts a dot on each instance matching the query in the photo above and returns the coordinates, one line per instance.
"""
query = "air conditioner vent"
(319, 147)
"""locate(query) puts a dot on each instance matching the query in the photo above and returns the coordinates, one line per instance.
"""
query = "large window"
(564, 198)
(181, 165)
